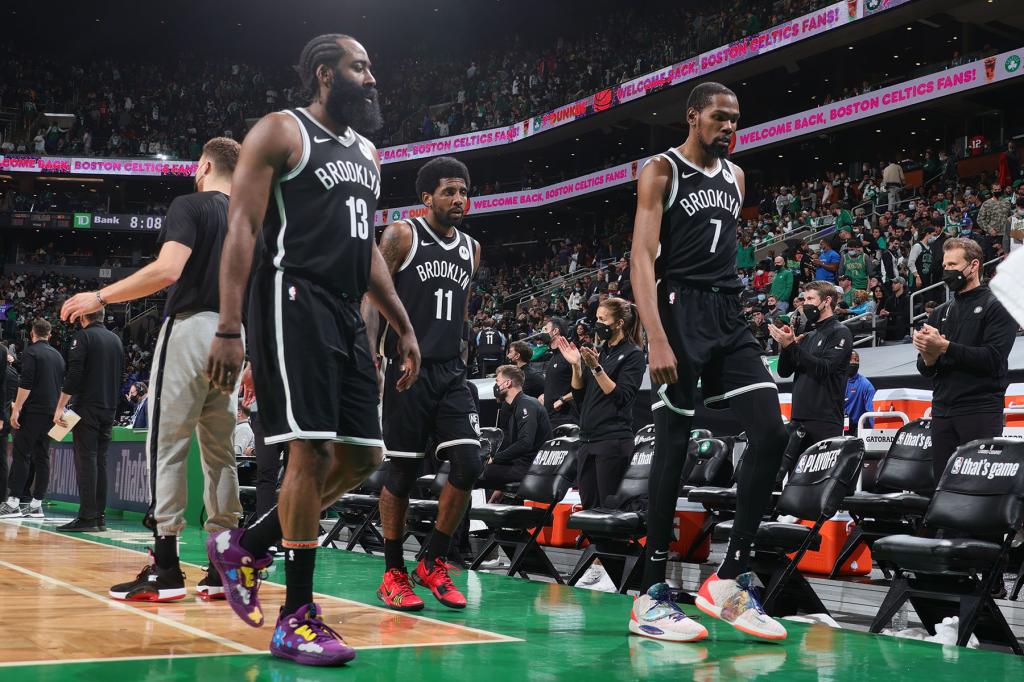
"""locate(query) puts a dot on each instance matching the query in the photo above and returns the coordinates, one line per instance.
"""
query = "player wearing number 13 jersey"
(687, 290)
(311, 182)
(433, 263)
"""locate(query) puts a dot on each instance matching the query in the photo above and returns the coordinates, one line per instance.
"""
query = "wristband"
(99, 298)
(228, 335)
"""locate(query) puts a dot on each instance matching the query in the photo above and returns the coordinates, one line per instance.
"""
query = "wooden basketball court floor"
(56, 623)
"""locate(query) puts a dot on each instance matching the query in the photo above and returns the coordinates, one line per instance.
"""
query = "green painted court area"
(566, 633)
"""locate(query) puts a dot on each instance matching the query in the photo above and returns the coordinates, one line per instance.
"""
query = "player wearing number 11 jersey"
(432, 263)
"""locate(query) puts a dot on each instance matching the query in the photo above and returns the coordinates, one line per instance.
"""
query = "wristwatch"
(597, 370)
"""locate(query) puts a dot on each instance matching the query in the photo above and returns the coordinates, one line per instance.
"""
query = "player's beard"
(448, 220)
(347, 104)
(716, 149)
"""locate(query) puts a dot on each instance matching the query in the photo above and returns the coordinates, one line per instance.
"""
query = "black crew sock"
(668, 468)
(266, 531)
(298, 577)
(394, 557)
(437, 547)
(737, 556)
(165, 551)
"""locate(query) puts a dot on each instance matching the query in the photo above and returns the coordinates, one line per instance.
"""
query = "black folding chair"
(978, 505)
(615, 533)
(905, 471)
(513, 528)
(565, 431)
(822, 476)
(358, 511)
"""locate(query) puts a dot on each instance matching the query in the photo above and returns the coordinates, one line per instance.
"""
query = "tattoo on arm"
(391, 243)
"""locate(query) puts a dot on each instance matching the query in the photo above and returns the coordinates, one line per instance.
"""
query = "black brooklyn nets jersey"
(698, 228)
(319, 223)
(433, 285)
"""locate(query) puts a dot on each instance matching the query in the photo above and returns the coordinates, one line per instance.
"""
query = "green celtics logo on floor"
(1012, 63)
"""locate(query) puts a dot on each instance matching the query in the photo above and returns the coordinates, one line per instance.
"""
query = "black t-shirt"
(200, 222)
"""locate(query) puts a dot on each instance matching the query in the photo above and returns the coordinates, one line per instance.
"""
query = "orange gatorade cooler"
(833, 536)
(686, 526)
(558, 534)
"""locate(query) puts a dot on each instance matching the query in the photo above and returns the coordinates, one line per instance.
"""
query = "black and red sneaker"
(396, 591)
(210, 587)
(152, 584)
(438, 580)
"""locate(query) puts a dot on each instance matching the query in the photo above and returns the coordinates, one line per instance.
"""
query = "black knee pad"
(401, 476)
(466, 465)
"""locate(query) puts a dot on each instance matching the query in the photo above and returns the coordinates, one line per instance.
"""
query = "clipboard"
(58, 432)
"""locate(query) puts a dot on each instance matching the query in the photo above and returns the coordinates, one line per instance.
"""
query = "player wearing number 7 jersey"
(687, 290)
(432, 263)
(308, 184)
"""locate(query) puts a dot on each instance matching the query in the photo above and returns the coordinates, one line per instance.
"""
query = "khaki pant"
(183, 401)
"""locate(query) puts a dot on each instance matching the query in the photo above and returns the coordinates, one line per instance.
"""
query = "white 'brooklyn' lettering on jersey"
(710, 198)
(444, 269)
(334, 172)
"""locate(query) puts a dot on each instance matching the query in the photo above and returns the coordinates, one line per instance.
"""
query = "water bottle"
(900, 618)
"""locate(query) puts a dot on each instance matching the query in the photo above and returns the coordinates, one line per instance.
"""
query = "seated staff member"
(604, 386)
(818, 363)
(964, 348)
(528, 429)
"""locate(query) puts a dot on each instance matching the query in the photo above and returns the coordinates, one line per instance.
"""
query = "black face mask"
(956, 280)
(811, 312)
(852, 371)
(544, 338)
(499, 394)
(602, 331)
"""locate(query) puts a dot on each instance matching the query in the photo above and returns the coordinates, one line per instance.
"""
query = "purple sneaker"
(240, 573)
(303, 637)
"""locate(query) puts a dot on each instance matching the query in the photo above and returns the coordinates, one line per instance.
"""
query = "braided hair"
(325, 49)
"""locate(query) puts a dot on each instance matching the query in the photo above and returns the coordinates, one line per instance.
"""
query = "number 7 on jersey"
(718, 233)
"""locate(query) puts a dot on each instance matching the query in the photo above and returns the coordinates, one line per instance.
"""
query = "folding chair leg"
(895, 598)
(849, 547)
(482, 556)
(587, 558)
(971, 607)
(531, 547)
(706, 529)
(1017, 585)
(629, 567)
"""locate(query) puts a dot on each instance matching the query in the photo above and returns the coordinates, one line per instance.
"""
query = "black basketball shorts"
(438, 409)
(314, 374)
(713, 344)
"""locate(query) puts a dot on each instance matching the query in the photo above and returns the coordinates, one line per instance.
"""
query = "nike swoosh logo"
(319, 140)
(688, 175)
(422, 243)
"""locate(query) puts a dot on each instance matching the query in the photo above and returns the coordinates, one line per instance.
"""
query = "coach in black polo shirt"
(818, 364)
(92, 384)
(528, 429)
(557, 397)
(964, 348)
(42, 371)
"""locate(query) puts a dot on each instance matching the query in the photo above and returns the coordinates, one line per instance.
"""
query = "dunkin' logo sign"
(550, 457)
(817, 461)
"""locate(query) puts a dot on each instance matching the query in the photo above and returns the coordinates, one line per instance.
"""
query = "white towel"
(1008, 285)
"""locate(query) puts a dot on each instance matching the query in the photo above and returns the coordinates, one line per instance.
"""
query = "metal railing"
(555, 283)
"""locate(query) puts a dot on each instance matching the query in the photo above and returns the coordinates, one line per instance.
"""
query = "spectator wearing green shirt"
(855, 264)
(745, 254)
(843, 217)
(782, 284)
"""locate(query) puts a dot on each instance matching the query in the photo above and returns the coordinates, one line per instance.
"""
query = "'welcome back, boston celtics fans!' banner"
(28, 163)
(955, 79)
(812, 24)
(529, 198)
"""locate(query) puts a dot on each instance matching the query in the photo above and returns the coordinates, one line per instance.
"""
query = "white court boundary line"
(497, 638)
(242, 648)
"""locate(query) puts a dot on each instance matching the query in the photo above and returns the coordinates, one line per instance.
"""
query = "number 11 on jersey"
(444, 312)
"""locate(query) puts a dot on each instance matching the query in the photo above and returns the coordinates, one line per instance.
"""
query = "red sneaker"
(438, 581)
(396, 591)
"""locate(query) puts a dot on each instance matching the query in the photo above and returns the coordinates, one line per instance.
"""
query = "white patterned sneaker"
(655, 615)
(736, 602)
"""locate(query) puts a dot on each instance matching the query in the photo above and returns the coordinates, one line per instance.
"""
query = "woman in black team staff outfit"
(604, 385)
